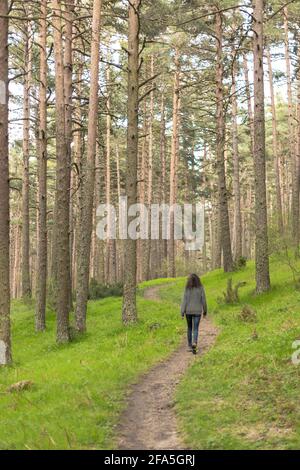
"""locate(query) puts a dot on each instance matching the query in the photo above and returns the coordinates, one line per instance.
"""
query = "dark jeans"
(193, 322)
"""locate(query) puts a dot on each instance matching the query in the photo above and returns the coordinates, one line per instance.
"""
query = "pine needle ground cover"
(78, 390)
(244, 394)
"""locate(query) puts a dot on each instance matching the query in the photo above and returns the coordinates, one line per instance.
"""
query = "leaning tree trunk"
(261, 219)
(86, 223)
(62, 214)
(40, 316)
(129, 313)
(224, 230)
(26, 286)
(5, 346)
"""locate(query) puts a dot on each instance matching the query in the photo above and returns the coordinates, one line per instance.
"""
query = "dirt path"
(149, 422)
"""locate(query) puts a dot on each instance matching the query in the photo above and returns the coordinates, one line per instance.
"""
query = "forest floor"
(242, 394)
(149, 422)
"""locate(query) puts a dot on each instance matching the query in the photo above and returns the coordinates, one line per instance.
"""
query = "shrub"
(240, 263)
(101, 291)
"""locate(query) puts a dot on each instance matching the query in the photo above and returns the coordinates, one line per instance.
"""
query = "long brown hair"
(193, 281)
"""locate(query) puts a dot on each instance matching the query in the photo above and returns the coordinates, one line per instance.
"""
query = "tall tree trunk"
(129, 313)
(83, 266)
(40, 318)
(150, 175)
(173, 166)
(222, 189)
(249, 101)
(163, 186)
(26, 285)
(236, 171)
(261, 219)
(275, 148)
(68, 91)
(291, 161)
(62, 215)
(5, 344)
(110, 244)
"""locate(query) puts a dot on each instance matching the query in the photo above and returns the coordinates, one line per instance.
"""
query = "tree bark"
(5, 341)
(276, 157)
(261, 219)
(40, 316)
(236, 171)
(222, 189)
(85, 235)
(173, 165)
(63, 166)
(129, 312)
(26, 285)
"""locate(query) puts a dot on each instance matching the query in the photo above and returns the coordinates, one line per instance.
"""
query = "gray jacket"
(194, 302)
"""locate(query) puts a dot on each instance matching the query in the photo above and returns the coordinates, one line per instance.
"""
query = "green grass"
(244, 394)
(79, 389)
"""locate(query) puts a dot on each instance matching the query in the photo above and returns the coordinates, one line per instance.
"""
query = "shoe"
(190, 348)
(194, 348)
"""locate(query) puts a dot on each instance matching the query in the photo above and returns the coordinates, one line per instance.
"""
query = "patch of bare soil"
(149, 421)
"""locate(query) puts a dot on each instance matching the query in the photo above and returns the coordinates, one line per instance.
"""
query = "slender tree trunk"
(68, 91)
(236, 171)
(62, 215)
(5, 343)
(291, 161)
(110, 245)
(222, 189)
(275, 148)
(83, 267)
(150, 175)
(261, 219)
(173, 166)
(163, 186)
(40, 318)
(249, 101)
(129, 313)
(26, 285)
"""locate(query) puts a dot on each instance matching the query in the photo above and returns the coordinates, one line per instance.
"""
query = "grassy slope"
(244, 394)
(79, 389)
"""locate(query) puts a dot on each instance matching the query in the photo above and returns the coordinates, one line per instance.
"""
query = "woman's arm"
(204, 303)
(184, 304)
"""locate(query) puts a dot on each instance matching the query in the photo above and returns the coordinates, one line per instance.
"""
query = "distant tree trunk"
(129, 313)
(236, 171)
(40, 318)
(62, 215)
(110, 245)
(291, 162)
(163, 195)
(5, 344)
(296, 174)
(275, 148)
(261, 219)
(150, 175)
(26, 285)
(85, 236)
(249, 101)
(173, 166)
(222, 189)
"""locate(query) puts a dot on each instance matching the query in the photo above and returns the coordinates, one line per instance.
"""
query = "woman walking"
(193, 306)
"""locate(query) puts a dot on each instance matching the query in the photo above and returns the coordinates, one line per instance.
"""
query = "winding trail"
(149, 421)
